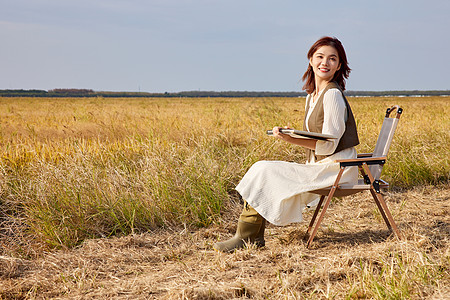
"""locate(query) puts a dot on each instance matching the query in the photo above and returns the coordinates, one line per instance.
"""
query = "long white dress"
(279, 190)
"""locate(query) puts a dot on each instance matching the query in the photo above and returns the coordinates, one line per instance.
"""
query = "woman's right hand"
(276, 133)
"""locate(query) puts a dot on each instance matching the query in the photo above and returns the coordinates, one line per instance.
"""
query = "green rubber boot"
(259, 240)
(250, 230)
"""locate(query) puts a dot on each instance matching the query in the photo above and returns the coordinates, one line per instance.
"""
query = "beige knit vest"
(315, 123)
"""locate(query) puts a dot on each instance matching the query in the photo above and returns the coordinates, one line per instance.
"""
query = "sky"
(219, 45)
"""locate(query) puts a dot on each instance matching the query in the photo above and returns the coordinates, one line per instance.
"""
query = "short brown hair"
(339, 76)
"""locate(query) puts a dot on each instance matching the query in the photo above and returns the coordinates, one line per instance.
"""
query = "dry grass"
(353, 257)
(123, 198)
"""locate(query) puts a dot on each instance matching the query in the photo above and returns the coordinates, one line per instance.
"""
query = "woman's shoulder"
(333, 93)
(333, 98)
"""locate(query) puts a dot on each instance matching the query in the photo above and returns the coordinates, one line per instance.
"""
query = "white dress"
(279, 190)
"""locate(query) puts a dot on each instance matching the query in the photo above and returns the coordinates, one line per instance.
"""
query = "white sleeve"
(335, 114)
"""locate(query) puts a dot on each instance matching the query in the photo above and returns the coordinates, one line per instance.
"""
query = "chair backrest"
(385, 138)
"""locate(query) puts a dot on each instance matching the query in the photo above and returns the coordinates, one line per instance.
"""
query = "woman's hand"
(278, 134)
(307, 143)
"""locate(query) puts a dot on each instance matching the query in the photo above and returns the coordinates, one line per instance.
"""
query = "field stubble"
(161, 172)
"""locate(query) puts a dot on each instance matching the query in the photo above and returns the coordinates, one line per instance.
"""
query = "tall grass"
(73, 169)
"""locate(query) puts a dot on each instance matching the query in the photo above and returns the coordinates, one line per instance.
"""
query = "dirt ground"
(352, 253)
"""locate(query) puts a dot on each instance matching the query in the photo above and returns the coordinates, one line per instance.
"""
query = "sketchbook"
(298, 134)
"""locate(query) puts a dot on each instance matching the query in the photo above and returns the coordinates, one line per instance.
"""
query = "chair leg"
(382, 204)
(325, 206)
(388, 215)
(380, 208)
(316, 212)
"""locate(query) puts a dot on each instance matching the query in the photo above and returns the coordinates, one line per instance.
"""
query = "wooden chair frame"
(370, 178)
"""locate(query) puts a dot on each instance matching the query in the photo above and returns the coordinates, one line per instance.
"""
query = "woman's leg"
(250, 230)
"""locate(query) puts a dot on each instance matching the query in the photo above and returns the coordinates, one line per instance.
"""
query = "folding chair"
(370, 166)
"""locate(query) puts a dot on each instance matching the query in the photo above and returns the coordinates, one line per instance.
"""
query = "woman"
(278, 191)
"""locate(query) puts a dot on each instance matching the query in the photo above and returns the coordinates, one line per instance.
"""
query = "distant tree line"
(91, 93)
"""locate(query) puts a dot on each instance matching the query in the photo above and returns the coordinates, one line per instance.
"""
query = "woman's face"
(325, 62)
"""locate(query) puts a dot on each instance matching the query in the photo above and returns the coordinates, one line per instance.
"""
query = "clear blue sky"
(212, 45)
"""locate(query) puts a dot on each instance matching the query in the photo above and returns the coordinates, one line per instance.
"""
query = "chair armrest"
(359, 161)
(364, 155)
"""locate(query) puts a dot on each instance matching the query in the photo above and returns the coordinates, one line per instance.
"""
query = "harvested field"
(354, 257)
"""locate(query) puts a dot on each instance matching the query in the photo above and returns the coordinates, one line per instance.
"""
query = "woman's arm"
(334, 124)
(335, 113)
(307, 143)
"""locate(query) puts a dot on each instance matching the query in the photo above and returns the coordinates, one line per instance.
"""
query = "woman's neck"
(320, 85)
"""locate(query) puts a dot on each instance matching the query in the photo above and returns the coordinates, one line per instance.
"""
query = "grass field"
(156, 177)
